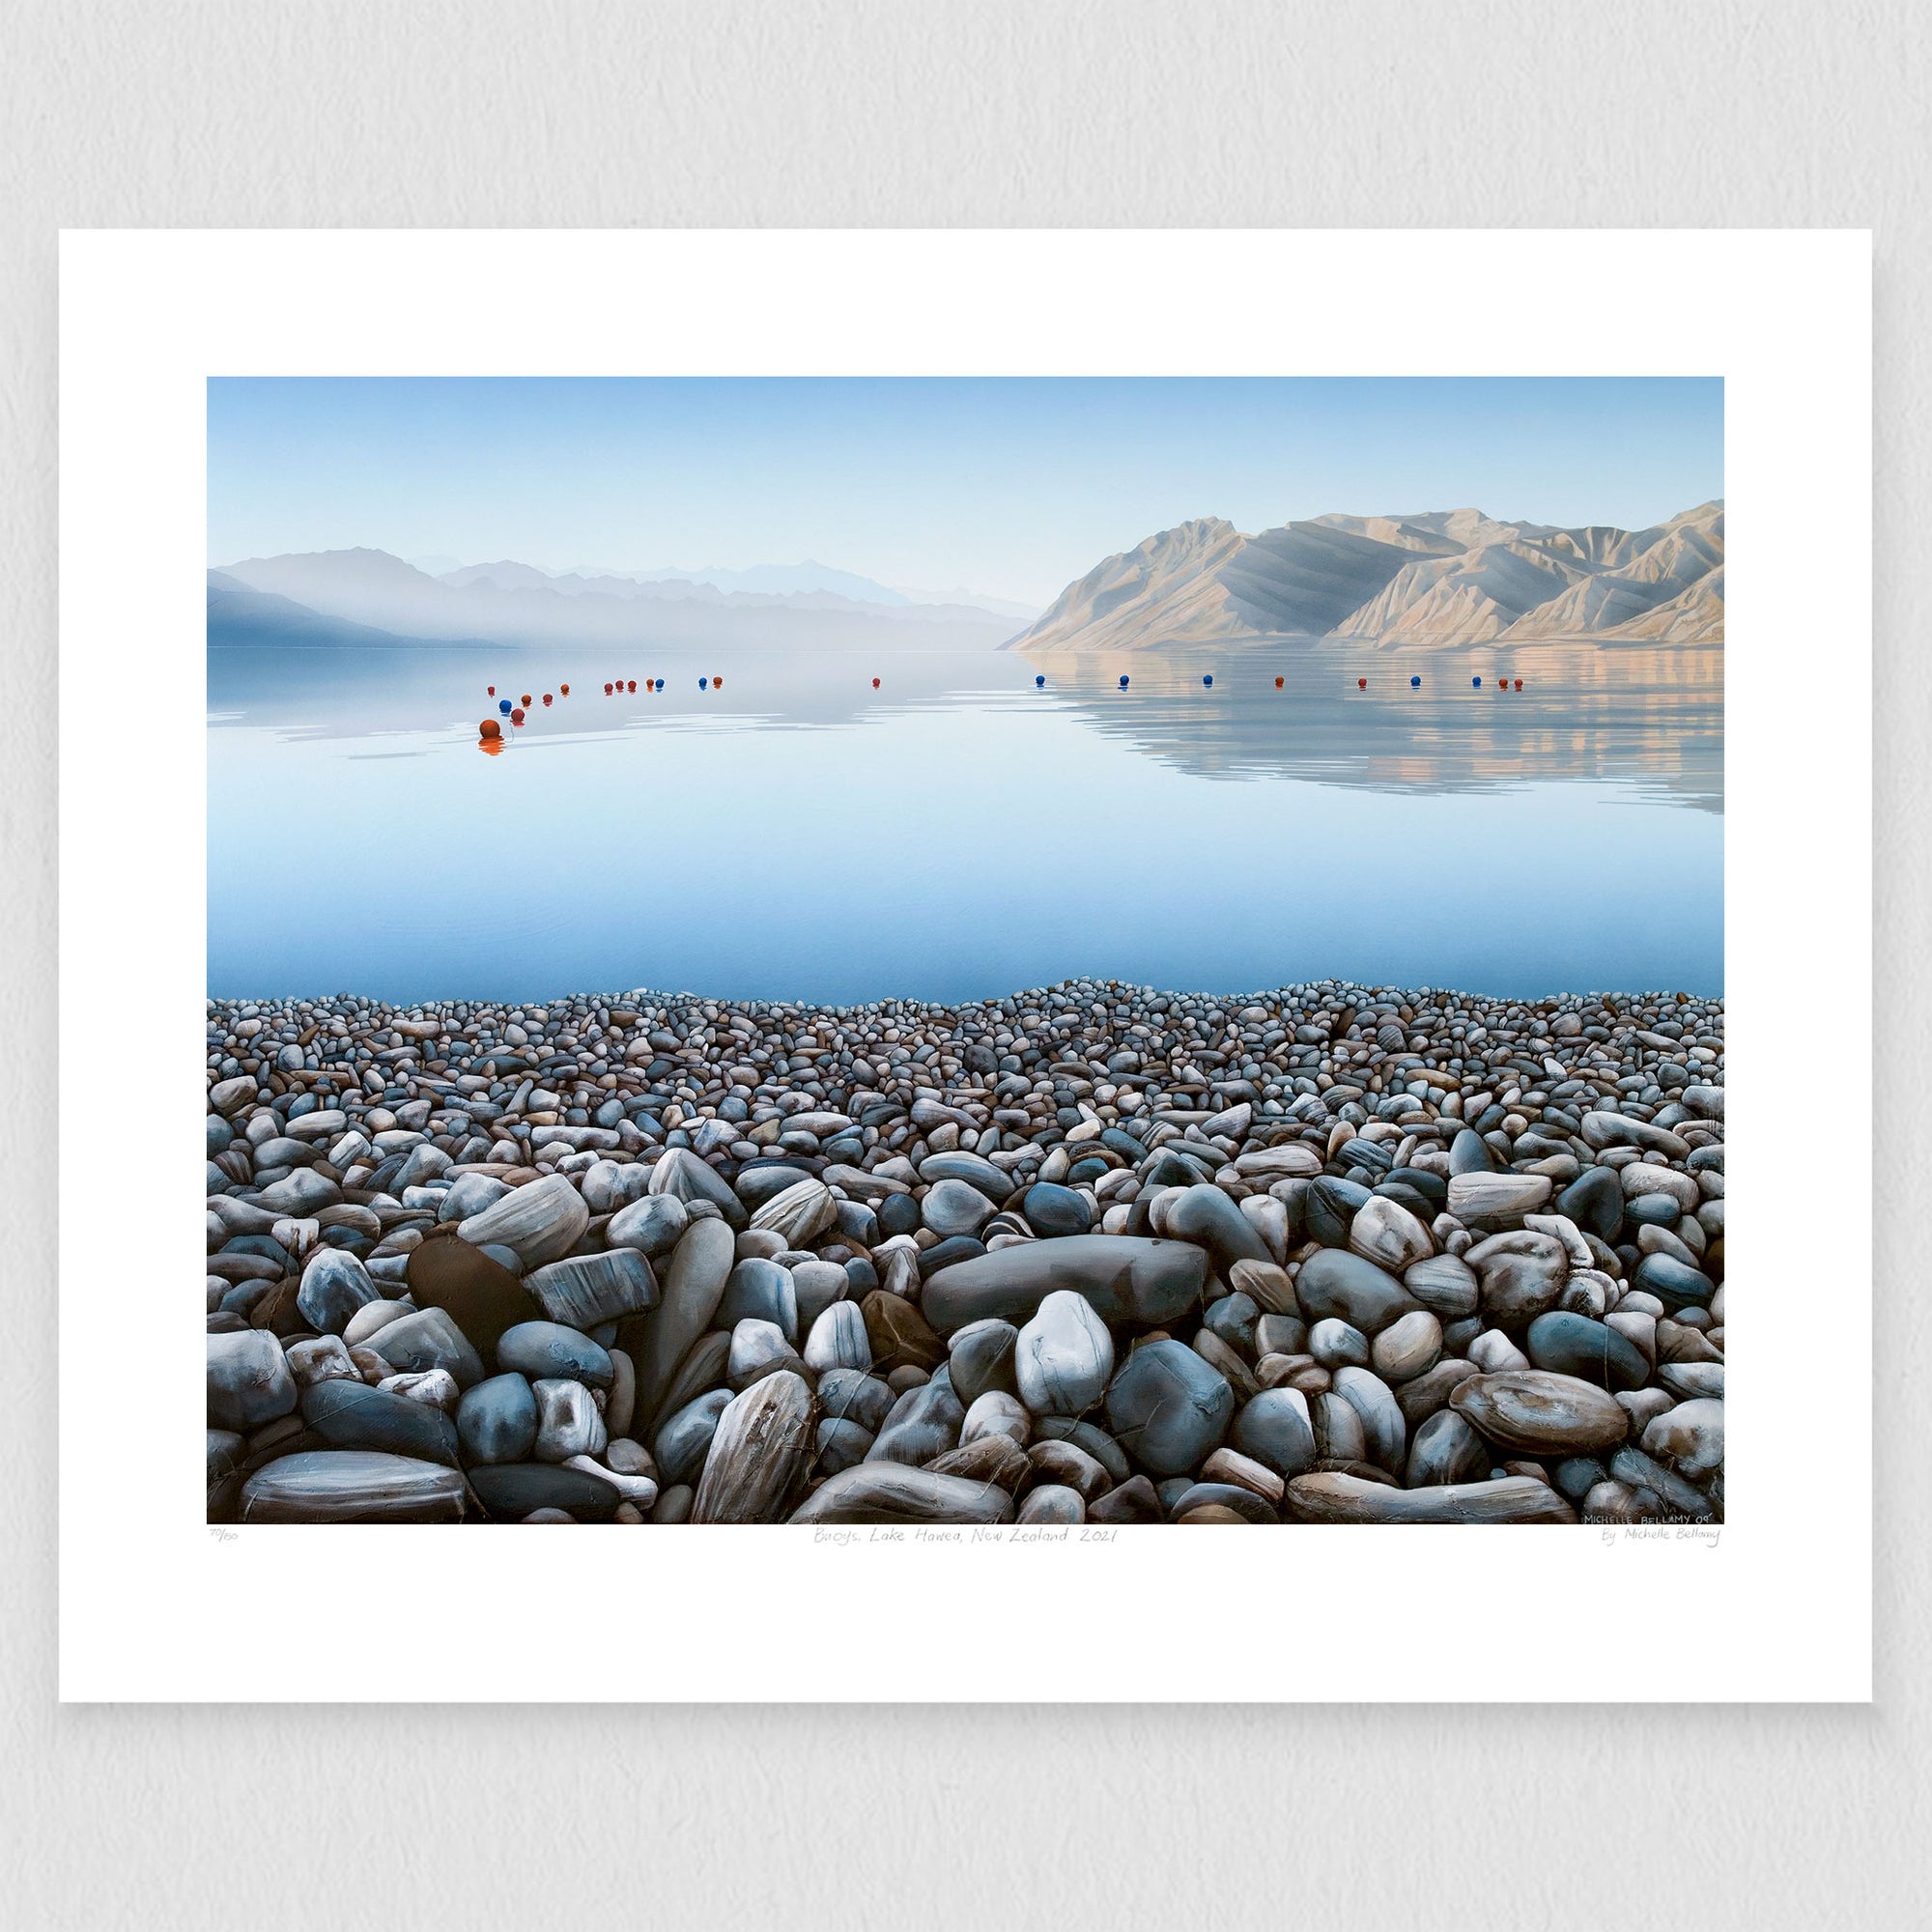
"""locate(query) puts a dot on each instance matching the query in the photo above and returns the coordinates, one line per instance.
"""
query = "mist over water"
(958, 832)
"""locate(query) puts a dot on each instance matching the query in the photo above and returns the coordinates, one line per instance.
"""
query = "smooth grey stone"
(549, 1351)
(1688, 1438)
(1343, 1285)
(757, 1186)
(1273, 1429)
(761, 1291)
(1086, 1436)
(1052, 1503)
(1329, 1208)
(1134, 1500)
(839, 1340)
(1205, 1214)
(509, 1492)
(800, 1214)
(1123, 1277)
(1631, 1465)
(1234, 1318)
(542, 1221)
(1052, 1210)
(301, 1194)
(684, 1439)
(1384, 1428)
(956, 1208)
(981, 1356)
(973, 1168)
(469, 1194)
(354, 1486)
(817, 1285)
(652, 1225)
(876, 1491)
(1445, 1449)
(1337, 1345)
(585, 1291)
(1673, 1283)
(248, 1381)
(1575, 1345)
(693, 1288)
(333, 1287)
(352, 1415)
(496, 1420)
(1595, 1202)
(681, 1173)
(1064, 1358)
(1445, 1284)
(852, 1395)
(1468, 1153)
(924, 1423)
(841, 1444)
(1224, 1495)
(1168, 1409)
(1521, 1274)
(1339, 1436)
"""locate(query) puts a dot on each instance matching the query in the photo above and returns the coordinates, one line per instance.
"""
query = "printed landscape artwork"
(1055, 953)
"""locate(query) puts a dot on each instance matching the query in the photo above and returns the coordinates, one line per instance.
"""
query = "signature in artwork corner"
(1669, 1529)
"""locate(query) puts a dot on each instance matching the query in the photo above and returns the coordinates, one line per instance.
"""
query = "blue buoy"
(503, 706)
(1477, 683)
(1123, 680)
(660, 684)
(1415, 684)
(1039, 684)
(1209, 679)
(703, 684)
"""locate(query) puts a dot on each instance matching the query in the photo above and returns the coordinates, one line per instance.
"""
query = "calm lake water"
(958, 832)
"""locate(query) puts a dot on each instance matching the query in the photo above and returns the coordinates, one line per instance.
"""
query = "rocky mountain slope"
(1450, 576)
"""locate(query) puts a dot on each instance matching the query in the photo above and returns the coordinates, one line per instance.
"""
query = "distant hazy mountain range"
(367, 596)
(1449, 576)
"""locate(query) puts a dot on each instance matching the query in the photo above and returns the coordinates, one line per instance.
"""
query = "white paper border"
(156, 1606)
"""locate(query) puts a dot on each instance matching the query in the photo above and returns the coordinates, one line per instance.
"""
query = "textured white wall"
(985, 114)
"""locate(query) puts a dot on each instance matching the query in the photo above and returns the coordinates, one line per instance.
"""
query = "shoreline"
(1086, 1253)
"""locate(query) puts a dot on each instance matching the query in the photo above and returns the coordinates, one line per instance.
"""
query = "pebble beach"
(1087, 1254)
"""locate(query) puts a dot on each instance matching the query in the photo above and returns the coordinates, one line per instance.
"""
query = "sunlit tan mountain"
(1448, 576)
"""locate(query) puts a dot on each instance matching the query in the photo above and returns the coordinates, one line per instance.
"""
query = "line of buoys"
(489, 728)
(504, 706)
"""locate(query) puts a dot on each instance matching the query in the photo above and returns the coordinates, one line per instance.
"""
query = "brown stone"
(899, 1334)
(480, 1295)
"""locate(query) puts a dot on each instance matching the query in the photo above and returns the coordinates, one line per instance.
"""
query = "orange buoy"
(516, 715)
(1277, 684)
(876, 684)
(716, 682)
(565, 689)
(526, 700)
(489, 728)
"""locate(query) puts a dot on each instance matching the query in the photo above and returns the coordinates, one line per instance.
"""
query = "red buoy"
(489, 728)
(1361, 683)
(1277, 684)
(545, 697)
(1518, 684)
(516, 715)
(876, 684)
(607, 691)
(633, 685)
(492, 689)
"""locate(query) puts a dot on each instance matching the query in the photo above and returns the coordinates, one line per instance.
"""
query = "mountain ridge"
(1439, 576)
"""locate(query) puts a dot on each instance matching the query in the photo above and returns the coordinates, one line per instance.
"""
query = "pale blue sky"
(1010, 488)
